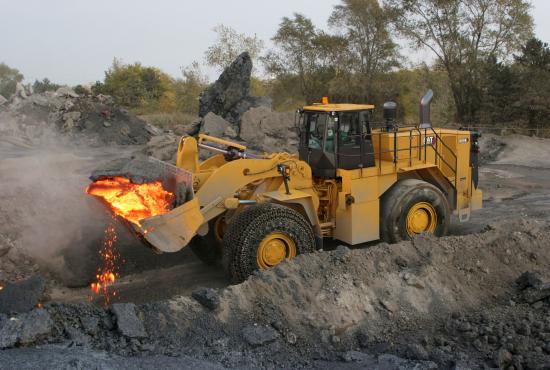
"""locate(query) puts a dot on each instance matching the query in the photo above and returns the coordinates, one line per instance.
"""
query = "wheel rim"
(219, 228)
(421, 218)
(275, 248)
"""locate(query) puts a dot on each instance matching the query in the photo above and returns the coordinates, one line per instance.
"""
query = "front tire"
(263, 236)
(413, 207)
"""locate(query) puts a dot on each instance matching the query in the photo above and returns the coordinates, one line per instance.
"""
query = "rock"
(229, 97)
(356, 356)
(269, 131)
(393, 362)
(90, 324)
(208, 297)
(529, 280)
(22, 296)
(417, 352)
(256, 335)
(390, 306)
(70, 118)
(363, 338)
(214, 125)
(65, 92)
(20, 91)
(503, 358)
(230, 132)
(232, 86)
(106, 124)
(127, 321)
(25, 329)
(163, 147)
(291, 338)
(3, 100)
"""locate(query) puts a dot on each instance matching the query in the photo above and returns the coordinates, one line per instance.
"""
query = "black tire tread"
(391, 208)
(248, 228)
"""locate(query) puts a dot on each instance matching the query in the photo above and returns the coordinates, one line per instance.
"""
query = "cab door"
(318, 143)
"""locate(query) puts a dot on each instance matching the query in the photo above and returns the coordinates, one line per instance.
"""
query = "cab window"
(316, 134)
(349, 130)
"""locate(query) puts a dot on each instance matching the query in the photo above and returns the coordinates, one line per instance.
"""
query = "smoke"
(43, 206)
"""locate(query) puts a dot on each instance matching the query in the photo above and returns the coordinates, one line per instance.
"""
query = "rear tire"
(208, 248)
(262, 236)
(412, 207)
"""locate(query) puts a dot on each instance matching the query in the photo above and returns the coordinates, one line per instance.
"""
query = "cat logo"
(429, 140)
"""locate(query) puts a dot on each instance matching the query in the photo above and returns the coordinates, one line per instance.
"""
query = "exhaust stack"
(425, 103)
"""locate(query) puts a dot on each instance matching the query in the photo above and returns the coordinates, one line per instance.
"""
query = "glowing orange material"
(107, 273)
(133, 202)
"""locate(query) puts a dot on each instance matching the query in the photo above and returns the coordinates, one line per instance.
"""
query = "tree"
(229, 45)
(189, 87)
(535, 54)
(137, 87)
(463, 34)
(9, 77)
(306, 53)
(44, 85)
(370, 49)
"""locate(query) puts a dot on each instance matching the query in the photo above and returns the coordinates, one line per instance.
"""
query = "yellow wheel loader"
(352, 180)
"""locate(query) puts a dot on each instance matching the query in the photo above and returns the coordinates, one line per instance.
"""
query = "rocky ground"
(476, 299)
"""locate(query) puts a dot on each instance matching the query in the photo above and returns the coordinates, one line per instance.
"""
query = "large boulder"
(269, 131)
(21, 296)
(229, 97)
(25, 329)
(214, 125)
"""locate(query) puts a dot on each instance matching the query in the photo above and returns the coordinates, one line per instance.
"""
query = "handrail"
(414, 132)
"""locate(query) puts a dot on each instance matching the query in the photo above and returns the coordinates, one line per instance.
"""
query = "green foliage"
(519, 93)
(463, 34)
(142, 89)
(188, 88)
(44, 85)
(229, 44)
(304, 51)
(369, 49)
(9, 77)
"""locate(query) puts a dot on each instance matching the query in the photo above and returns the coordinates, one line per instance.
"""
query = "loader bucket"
(173, 229)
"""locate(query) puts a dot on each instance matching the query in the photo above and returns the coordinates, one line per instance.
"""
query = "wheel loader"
(353, 180)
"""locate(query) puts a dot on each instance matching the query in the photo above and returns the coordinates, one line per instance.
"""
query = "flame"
(130, 201)
(108, 272)
(133, 202)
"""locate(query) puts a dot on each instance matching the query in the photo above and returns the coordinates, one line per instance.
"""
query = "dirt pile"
(432, 303)
(95, 119)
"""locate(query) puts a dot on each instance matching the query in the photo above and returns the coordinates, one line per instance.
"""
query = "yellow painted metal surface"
(172, 231)
(421, 218)
(338, 107)
(274, 249)
(187, 156)
(213, 139)
(345, 208)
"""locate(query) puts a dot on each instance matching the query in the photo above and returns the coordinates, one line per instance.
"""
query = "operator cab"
(336, 136)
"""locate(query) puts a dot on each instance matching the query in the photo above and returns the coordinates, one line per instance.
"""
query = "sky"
(75, 41)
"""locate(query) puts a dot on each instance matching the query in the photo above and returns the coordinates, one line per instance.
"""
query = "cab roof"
(338, 107)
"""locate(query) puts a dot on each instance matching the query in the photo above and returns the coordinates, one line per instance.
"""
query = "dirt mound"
(515, 150)
(436, 303)
(94, 120)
